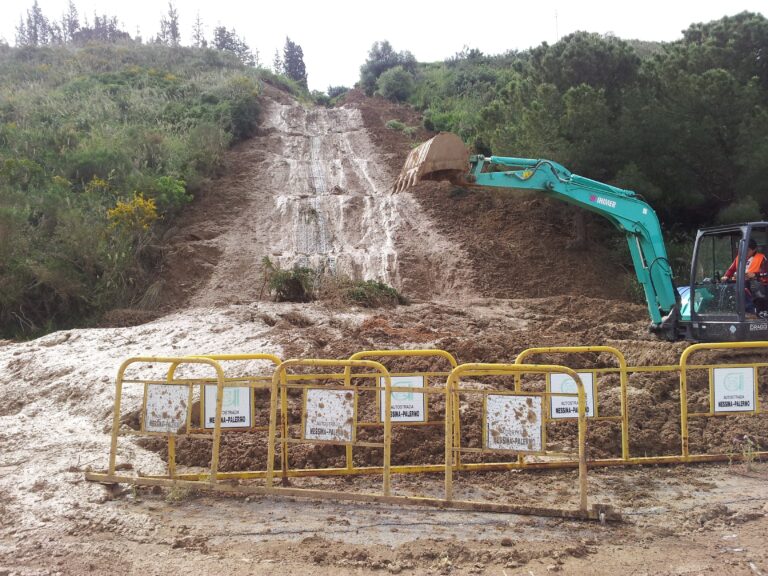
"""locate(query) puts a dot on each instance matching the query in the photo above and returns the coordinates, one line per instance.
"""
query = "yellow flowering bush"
(135, 215)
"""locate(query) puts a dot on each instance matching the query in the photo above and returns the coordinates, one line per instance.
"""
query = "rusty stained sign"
(329, 415)
(165, 407)
(513, 423)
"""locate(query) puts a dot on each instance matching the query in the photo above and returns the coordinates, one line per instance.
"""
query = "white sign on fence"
(329, 415)
(405, 406)
(166, 407)
(568, 406)
(235, 407)
(513, 423)
(734, 389)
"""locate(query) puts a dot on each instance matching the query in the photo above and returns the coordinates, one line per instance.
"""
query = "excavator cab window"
(713, 297)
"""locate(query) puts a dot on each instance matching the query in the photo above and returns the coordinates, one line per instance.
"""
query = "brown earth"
(490, 273)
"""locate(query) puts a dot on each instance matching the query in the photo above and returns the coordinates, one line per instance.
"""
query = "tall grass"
(84, 130)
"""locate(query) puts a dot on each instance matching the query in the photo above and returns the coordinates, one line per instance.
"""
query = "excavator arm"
(438, 158)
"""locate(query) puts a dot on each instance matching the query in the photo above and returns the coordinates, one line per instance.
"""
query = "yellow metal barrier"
(476, 370)
(325, 431)
(739, 404)
(733, 388)
(171, 434)
(398, 388)
(252, 382)
(624, 415)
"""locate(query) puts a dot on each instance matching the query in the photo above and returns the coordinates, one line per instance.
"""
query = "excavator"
(709, 308)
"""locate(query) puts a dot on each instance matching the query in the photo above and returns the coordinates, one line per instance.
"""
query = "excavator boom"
(445, 157)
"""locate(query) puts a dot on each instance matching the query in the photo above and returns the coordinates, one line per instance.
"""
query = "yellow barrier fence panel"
(733, 390)
(411, 391)
(592, 389)
(329, 414)
(166, 407)
(513, 422)
(240, 408)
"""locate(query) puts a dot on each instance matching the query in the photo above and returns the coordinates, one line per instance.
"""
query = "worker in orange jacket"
(754, 288)
(756, 263)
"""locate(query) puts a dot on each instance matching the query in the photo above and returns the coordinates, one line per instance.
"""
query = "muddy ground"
(314, 187)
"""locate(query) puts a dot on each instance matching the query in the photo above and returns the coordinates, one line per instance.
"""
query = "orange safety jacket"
(755, 265)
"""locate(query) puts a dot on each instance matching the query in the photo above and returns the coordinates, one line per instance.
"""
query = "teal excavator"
(707, 309)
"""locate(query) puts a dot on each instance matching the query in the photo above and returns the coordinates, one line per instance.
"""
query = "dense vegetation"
(100, 147)
(683, 123)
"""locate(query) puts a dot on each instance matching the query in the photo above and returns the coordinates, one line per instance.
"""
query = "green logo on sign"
(734, 382)
(231, 398)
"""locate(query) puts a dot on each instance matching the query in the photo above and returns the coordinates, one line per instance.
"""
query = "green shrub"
(742, 210)
(373, 294)
(395, 84)
(83, 128)
(294, 285)
(170, 194)
(395, 125)
(336, 91)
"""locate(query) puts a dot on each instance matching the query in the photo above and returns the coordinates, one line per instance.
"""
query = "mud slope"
(309, 191)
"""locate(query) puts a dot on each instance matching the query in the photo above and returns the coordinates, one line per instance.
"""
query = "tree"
(21, 33)
(277, 63)
(70, 24)
(336, 91)
(198, 35)
(170, 34)
(736, 43)
(293, 62)
(587, 58)
(395, 84)
(381, 57)
(35, 30)
(229, 41)
(105, 29)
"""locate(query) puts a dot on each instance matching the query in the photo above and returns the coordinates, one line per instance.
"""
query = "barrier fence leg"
(448, 442)
(284, 428)
(172, 455)
(116, 423)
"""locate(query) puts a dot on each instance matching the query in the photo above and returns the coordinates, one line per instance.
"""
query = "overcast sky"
(336, 35)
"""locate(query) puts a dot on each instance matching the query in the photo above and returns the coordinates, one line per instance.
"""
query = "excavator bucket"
(444, 157)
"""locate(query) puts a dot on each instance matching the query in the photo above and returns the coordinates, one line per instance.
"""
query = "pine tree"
(37, 27)
(222, 39)
(293, 62)
(277, 63)
(229, 41)
(198, 35)
(169, 27)
(21, 33)
(70, 24)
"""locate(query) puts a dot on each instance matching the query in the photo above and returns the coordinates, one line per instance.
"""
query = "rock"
(506, 542)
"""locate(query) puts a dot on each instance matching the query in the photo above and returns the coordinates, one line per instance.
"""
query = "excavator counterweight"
(444, 157)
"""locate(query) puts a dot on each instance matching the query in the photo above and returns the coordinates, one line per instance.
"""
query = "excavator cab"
(726, 310)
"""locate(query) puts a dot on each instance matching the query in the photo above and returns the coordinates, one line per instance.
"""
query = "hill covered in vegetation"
(682, 123)
(100, 147)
